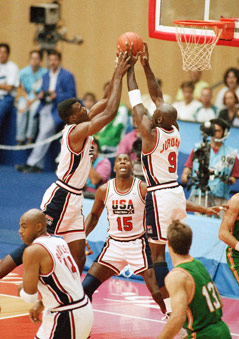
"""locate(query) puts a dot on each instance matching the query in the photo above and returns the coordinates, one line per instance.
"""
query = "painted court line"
(130, 316)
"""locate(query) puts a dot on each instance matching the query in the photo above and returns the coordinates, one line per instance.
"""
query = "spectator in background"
(231, 112)
(9, 81)
(30, 85)
(223, 161)
(99, 172)
(131, 144)
(198, 85)
(189, 105)
(207, 110)
(88, 100)
(58, 84)
(149, 104)
(231, 81)
(110, 136)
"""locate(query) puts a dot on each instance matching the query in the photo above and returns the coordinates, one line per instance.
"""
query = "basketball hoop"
(197, 40)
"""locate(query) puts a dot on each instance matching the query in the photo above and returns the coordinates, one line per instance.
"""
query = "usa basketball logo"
(149, 229)
(49, 220)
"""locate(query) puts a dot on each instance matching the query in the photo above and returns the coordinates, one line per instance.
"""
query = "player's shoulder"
(143, 187)
(234, 201)
(101, 191)
(178, 275)
(34, 251)
(176, 279)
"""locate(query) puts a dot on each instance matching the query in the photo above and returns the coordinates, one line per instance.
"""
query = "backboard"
(162, 13)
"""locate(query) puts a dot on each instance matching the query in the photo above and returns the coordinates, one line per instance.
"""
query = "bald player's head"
(165, 116)
(32, 225)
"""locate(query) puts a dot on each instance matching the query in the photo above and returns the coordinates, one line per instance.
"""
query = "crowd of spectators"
(36, 91)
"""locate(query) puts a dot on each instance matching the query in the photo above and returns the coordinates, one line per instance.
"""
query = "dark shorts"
(63, 210)
(17, 254)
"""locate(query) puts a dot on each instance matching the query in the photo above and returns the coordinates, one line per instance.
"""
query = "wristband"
(29, 298)
(237, 247)
(135, 97)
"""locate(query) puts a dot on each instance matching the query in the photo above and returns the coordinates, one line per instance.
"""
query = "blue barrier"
(205, 246)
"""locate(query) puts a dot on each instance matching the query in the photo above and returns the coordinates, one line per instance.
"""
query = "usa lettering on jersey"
(122, 206)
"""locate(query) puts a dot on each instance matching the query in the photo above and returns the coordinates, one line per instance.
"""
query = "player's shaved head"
(35, 216)
(33, 224)
(165, 115)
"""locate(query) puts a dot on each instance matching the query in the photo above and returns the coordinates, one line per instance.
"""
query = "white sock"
(168, 305)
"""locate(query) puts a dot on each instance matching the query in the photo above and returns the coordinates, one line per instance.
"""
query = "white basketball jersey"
(125, 211)
(63, 284)
(160, 165)
(74, 168)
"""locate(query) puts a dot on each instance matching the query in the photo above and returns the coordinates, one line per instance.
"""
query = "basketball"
(131, 37)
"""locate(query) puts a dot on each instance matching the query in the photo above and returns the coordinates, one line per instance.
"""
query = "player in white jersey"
(165, 201)
(124, 199)
(50, 269)
(62, 202)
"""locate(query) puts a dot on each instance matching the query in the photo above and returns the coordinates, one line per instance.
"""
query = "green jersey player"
(196, 303)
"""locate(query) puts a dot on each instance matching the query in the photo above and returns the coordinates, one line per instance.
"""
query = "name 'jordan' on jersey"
(62, 286)
(125, 211)
(74, 168)
(160, 165)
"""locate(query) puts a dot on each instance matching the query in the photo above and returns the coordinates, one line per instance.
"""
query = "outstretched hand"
(144, 56)
(122, 62)
(133, 58)
(215, 210)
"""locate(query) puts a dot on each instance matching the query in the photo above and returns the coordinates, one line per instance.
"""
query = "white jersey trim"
(68, 141)
(156, 143)
(123, 193)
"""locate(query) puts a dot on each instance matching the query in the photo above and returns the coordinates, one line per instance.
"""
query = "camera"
(47, 14)
(202, 155)
(208, 129)
(47, 96)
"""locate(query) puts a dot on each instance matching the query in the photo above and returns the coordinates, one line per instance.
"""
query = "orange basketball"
(131, 37)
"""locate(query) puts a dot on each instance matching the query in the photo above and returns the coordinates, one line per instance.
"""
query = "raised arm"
(153, 85)
(101, 119)
(228, 221)
(97, 208)
(140, 114)
(101, 104)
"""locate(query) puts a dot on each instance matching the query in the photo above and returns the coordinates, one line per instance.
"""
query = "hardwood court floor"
(122, 308)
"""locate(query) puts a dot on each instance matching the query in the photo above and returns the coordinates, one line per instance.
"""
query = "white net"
(197, 49)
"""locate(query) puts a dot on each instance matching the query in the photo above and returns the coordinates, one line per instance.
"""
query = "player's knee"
(90, 284)
(80, 261)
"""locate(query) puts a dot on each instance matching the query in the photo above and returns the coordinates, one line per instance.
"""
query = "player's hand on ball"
(122, 64)
(144, 56)
(133, 57)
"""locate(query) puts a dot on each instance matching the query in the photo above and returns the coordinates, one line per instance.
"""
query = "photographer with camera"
(212, 165)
